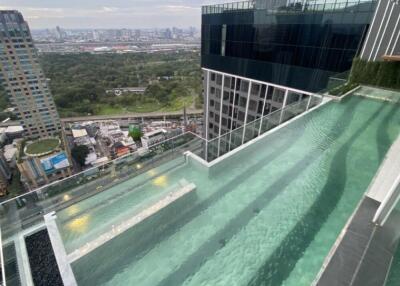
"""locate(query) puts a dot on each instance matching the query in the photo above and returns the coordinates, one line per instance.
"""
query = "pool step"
(116, 230)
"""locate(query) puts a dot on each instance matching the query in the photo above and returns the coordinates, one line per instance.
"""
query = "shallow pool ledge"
(116, 230)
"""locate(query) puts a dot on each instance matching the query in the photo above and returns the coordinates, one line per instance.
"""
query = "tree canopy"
(79, 81)
(79, 153)
(136, 133)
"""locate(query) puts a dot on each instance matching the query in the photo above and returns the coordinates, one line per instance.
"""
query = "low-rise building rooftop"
(76, 133)
(42, 147)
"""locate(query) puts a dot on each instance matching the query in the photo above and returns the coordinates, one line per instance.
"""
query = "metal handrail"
(290, 7)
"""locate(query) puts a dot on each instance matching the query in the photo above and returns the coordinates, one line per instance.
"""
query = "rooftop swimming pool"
(268, 214)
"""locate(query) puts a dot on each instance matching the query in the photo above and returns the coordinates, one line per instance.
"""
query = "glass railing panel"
(329, 6)
(10, 273)
(274, 119)
(303, 104)
(212, 149)
(293, 7)
(26, 210)
(251, 130)
(224, 144)
(315, 101)
(264, 124)
(236, 137)
(288, 113)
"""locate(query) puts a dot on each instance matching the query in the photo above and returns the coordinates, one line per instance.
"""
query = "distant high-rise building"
(96, 35)
(59, 33)
(23, 78)
(192, 31)
(168, 33)
(137, 34)
(126, 34)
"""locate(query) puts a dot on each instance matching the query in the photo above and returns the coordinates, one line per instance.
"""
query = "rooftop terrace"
(42, 146)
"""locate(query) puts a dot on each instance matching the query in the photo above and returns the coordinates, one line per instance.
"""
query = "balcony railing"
(231, 140)
(310, 6)
(221, 8)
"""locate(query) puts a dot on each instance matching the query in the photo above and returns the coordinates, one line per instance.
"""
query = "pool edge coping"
(340, 98)
(336, 244)
(64, 267)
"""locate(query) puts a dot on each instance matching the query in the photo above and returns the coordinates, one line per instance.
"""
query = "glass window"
(243, 101)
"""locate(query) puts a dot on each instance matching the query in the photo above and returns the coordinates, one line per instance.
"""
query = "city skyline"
(137, 14)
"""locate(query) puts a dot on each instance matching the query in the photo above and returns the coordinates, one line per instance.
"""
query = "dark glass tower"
(261, 56)
(299, 45)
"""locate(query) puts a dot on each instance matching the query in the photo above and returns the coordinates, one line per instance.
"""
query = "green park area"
(42, 146)
(79, 82)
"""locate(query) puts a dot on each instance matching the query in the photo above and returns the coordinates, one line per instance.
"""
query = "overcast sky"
(109, 13)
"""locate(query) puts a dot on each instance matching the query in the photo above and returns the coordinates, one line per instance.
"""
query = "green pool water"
(84, 221)
(267, 215)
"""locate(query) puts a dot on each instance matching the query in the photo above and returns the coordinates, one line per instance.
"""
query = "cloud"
(179, 8)
(45, 10)
(110, 9)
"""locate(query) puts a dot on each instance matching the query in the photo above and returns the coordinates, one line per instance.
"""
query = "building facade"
(299, 46)
(23, 78)
(5, 175)
(37, 171)
(383, 36)
(261, 57)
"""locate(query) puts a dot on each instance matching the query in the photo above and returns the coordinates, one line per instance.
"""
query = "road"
(132, 115)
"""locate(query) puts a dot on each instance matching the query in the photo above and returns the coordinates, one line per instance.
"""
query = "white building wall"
(234, 107)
